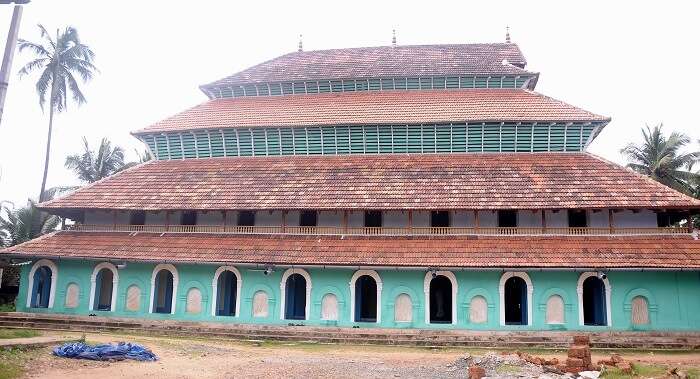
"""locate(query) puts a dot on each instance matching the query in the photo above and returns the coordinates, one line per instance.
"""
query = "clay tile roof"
(383, 107)
(384, 61)
(385, 181)
(478, 252)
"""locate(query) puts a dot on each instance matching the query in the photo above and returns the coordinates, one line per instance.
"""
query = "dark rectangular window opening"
(373, 219)
(578, 218)
(308, 218)
(507, 219)
(188, 218)
(246, 218)
(440, 219)
(669, 219)
(137, 218)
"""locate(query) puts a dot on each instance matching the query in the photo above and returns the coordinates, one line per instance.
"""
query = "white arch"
(579, 291)
(378, 280)
(426, 289)
(176, 280)
(501, 293)
(93, 284)
(283, 290)
(54, 275)
(215, 285)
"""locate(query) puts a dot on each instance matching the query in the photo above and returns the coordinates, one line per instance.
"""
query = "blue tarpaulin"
(105, 352)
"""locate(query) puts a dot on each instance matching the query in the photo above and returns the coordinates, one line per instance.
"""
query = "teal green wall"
(674, 297)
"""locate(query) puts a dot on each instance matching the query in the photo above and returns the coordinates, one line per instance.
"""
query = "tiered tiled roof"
(384, 61)
(469, 252)
(391, 181)
(384, 107)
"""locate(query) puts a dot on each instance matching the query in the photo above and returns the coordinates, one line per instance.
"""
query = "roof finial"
(301, 46)
(507, 34)
(393, 37)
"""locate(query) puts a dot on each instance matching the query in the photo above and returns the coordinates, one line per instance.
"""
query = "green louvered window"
(372, 139)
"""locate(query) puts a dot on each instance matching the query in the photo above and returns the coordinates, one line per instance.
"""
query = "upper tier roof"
(384, 61)
(390, 181)
(382, 107)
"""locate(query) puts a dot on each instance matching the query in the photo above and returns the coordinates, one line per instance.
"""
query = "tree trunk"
(48, 150)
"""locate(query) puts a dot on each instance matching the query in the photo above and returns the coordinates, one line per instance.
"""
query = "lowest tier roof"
(384, 61)
(381, 107)
(387, 181)
(468, 252)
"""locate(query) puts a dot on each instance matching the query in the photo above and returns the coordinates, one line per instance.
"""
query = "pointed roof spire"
(301, 46)
(393, 37)
(507, 34)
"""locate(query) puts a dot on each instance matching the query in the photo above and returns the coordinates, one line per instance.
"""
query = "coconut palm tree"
(663, 159)
(59, 60)
(91, 166)
(26, 223)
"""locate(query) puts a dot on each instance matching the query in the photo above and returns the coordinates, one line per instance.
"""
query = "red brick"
(582, 340)
(476, 372)
(579, 351)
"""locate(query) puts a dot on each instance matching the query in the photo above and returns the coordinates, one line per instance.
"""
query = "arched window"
(640, 310)
(555, 310)
(260, 306)
(440, 289)
(193, 301)
(478, 310)
(366, 295)
(163, 289)
(403, 308)
(103, 288)
(295, 288)
(227, 291)
(329, 307)
(593, 299)
(42, 284)
(516, 298)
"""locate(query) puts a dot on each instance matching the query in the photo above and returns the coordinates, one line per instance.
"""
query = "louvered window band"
(377, 139)
(377, 84)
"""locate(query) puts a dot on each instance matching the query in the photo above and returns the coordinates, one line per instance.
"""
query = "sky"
(633, 61)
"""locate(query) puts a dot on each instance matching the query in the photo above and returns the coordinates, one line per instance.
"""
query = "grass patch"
(7, 307)
(649, 371)
(12, 362)
(18, 333)
(507, 369)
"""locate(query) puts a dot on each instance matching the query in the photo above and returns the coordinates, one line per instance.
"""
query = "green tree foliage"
(663, 159)
(59, 61)
(91, 166)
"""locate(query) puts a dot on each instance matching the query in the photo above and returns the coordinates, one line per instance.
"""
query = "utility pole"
(9, 50)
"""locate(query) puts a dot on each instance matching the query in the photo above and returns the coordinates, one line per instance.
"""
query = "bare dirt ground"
(200, 358)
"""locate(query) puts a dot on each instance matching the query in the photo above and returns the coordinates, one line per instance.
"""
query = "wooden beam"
(410, 221)
(690, 223)
(544, 222)
(476, 220)
(345, 222)
(284, 221)
(611, 221)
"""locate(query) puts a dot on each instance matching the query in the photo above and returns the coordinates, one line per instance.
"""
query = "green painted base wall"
(673, 297)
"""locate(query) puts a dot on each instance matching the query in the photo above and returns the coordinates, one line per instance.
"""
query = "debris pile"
(512, 365)
(579, 356)
(616, 360)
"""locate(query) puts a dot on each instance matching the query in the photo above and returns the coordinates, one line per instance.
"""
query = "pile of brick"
(579, 356)
(616, 360)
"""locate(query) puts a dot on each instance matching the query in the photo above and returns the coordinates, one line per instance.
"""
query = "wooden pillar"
(114, 219)
(690, 223)
(410, 222)
(476, 221)
(345, 222)
(611, 221)
(284, 221)
(544, 221)
(223, 223)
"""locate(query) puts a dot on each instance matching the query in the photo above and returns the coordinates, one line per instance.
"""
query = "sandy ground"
(183, 358)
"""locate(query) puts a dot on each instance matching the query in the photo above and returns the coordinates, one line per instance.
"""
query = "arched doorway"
(104, 282)
(515, 301)
(41, 290)
(365, 299)
(227, 291)
(163, 292)
(440, 300)
(594, 302)
(295, 297)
